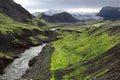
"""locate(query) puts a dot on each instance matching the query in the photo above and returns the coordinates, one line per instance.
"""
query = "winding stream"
(19, 66)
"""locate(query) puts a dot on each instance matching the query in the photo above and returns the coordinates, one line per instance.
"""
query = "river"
(19, 66)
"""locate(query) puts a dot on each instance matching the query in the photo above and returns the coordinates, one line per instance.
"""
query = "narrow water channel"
(19, 66)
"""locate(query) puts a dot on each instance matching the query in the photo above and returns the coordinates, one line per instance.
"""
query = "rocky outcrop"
(40, 66)
(3, 63)
(16, 43)
(110, 13)
(14, 10)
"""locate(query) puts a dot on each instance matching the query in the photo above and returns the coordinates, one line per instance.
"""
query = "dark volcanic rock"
(4, 63)
(110, 13)
(60, 17)
(110, 60)
(14, 10)
(7, 44)
(40, 66)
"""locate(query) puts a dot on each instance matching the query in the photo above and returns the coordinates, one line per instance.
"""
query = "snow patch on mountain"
(53, 12)
(36, 13)
(86, 16)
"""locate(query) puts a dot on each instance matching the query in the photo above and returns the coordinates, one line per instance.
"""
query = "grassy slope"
(47, 25)
(74, 49)
(7, 24)
(10, 29)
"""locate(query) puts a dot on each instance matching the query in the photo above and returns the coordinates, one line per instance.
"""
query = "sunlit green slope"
(74, 50)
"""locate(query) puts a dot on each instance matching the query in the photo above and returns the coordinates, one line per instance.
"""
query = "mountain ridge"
(78, 16)
(110, 13)
(14, 10)
(60, 17)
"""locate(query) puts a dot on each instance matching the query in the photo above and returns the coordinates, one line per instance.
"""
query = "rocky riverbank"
(40, 65)
(16, 44)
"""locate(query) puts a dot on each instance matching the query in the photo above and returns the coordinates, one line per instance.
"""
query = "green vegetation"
(8, 25)
(41, 37)
(17, 41)
(33, 40)
(18, 33)
(38, 21)
(101, 73)
(75, 45)
(74, 49)
(2, 55)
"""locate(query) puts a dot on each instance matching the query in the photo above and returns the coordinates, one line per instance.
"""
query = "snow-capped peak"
(53, 12)
(36, 13)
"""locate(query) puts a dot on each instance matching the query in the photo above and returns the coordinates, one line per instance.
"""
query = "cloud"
(66, 4)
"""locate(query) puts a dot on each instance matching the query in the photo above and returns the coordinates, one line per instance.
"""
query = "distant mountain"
(53, 12)
(110, 13)
(63, 17)
(36, 13)
(77, 16)
(48, 12)
(86, 16)
(14, 10)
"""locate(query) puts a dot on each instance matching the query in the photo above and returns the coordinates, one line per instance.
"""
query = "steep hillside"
(90, 54)
(14, 10)
(16, 36)
(110, 13)
(60, 17)
(80, 53)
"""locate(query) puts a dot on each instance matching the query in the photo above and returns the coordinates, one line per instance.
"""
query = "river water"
(19, 66)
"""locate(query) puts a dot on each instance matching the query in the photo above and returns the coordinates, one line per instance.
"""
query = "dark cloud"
(65, 4)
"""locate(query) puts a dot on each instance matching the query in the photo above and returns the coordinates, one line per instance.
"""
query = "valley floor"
(80, 53)
(73, 53)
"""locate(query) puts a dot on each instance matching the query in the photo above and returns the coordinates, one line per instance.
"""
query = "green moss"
(23, 79)
(5, 56)
(53, 76)
(33, 40)
(41, 37)
(1, 55)
(97, 74)
(17, 41)
(101, 73)
(75, 48)
(8, 25)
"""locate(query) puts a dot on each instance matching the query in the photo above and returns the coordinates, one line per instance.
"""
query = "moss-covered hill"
(88, 54)
(16, 36)
(18, 31)
(80, 53)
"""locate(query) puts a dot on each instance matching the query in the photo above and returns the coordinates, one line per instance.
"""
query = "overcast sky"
(69, 5)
